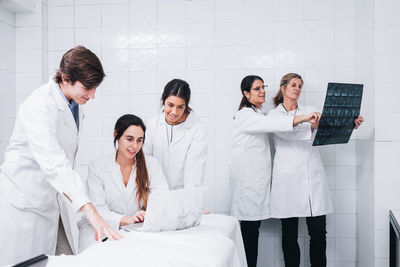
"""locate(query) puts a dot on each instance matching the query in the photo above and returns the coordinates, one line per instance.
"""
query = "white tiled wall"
(365, 73)
(212, 44)
(377, 175)
(31, 55)
(7, 77)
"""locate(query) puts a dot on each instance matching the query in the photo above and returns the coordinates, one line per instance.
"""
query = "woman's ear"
(247, 94)
(115, 134)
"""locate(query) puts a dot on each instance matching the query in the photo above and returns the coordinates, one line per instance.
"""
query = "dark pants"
(317, 232)
(250, 240)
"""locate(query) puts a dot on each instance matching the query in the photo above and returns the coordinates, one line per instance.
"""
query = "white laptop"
(171, 210)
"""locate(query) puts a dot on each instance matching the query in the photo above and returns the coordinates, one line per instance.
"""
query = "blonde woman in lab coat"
(177, 138)
(250, 169)
(119, 184)
(299, 184)
(37, 175)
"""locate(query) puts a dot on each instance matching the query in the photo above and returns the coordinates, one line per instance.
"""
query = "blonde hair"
(284, 81)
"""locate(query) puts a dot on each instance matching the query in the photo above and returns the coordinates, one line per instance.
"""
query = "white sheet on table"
(157, 249)
(217, 242)
(227, 226)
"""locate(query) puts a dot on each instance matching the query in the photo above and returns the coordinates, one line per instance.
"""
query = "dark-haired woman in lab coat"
(119, 184)
(176, 137)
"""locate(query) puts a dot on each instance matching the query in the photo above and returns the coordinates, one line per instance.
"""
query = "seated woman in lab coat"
(299, 185)
(177, 138)
(119, 184)
(250, 169)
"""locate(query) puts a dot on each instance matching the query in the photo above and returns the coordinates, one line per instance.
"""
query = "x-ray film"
(341, 108)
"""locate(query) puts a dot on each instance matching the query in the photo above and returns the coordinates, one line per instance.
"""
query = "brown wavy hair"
(142, 176)
(80, 64)
(284, 81)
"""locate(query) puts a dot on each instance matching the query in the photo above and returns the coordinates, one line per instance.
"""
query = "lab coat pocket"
(256, 176)
(315, 161)
(11, 192)
(287, 161)
(44, 199)
(25, 197)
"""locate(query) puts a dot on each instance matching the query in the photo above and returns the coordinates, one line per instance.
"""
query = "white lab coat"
(250, 169)
(299, 184)
(111, 197)
(184, 159)
(38, 168)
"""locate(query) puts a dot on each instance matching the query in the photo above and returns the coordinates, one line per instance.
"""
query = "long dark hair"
(179, 88)
(142, 175)
(284, 81)
(245, 85)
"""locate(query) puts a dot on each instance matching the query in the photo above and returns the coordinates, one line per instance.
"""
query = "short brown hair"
(284, 81)
(80, 64)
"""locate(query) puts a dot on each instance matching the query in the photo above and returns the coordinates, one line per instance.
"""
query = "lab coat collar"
(282, 109)
(110, 163)
(81, 117)
(188, 123)
(260, 110)
(63, 106)
(114, 171)
(179, 129)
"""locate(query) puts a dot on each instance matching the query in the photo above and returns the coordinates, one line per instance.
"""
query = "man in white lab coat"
(37, 177)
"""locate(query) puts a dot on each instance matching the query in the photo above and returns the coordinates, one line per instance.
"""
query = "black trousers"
(250, 233)
(317, 232)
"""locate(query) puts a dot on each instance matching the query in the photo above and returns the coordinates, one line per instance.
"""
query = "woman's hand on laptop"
(138, 217)
(126, 220)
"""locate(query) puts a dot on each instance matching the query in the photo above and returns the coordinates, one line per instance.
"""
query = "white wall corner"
(18, 6)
